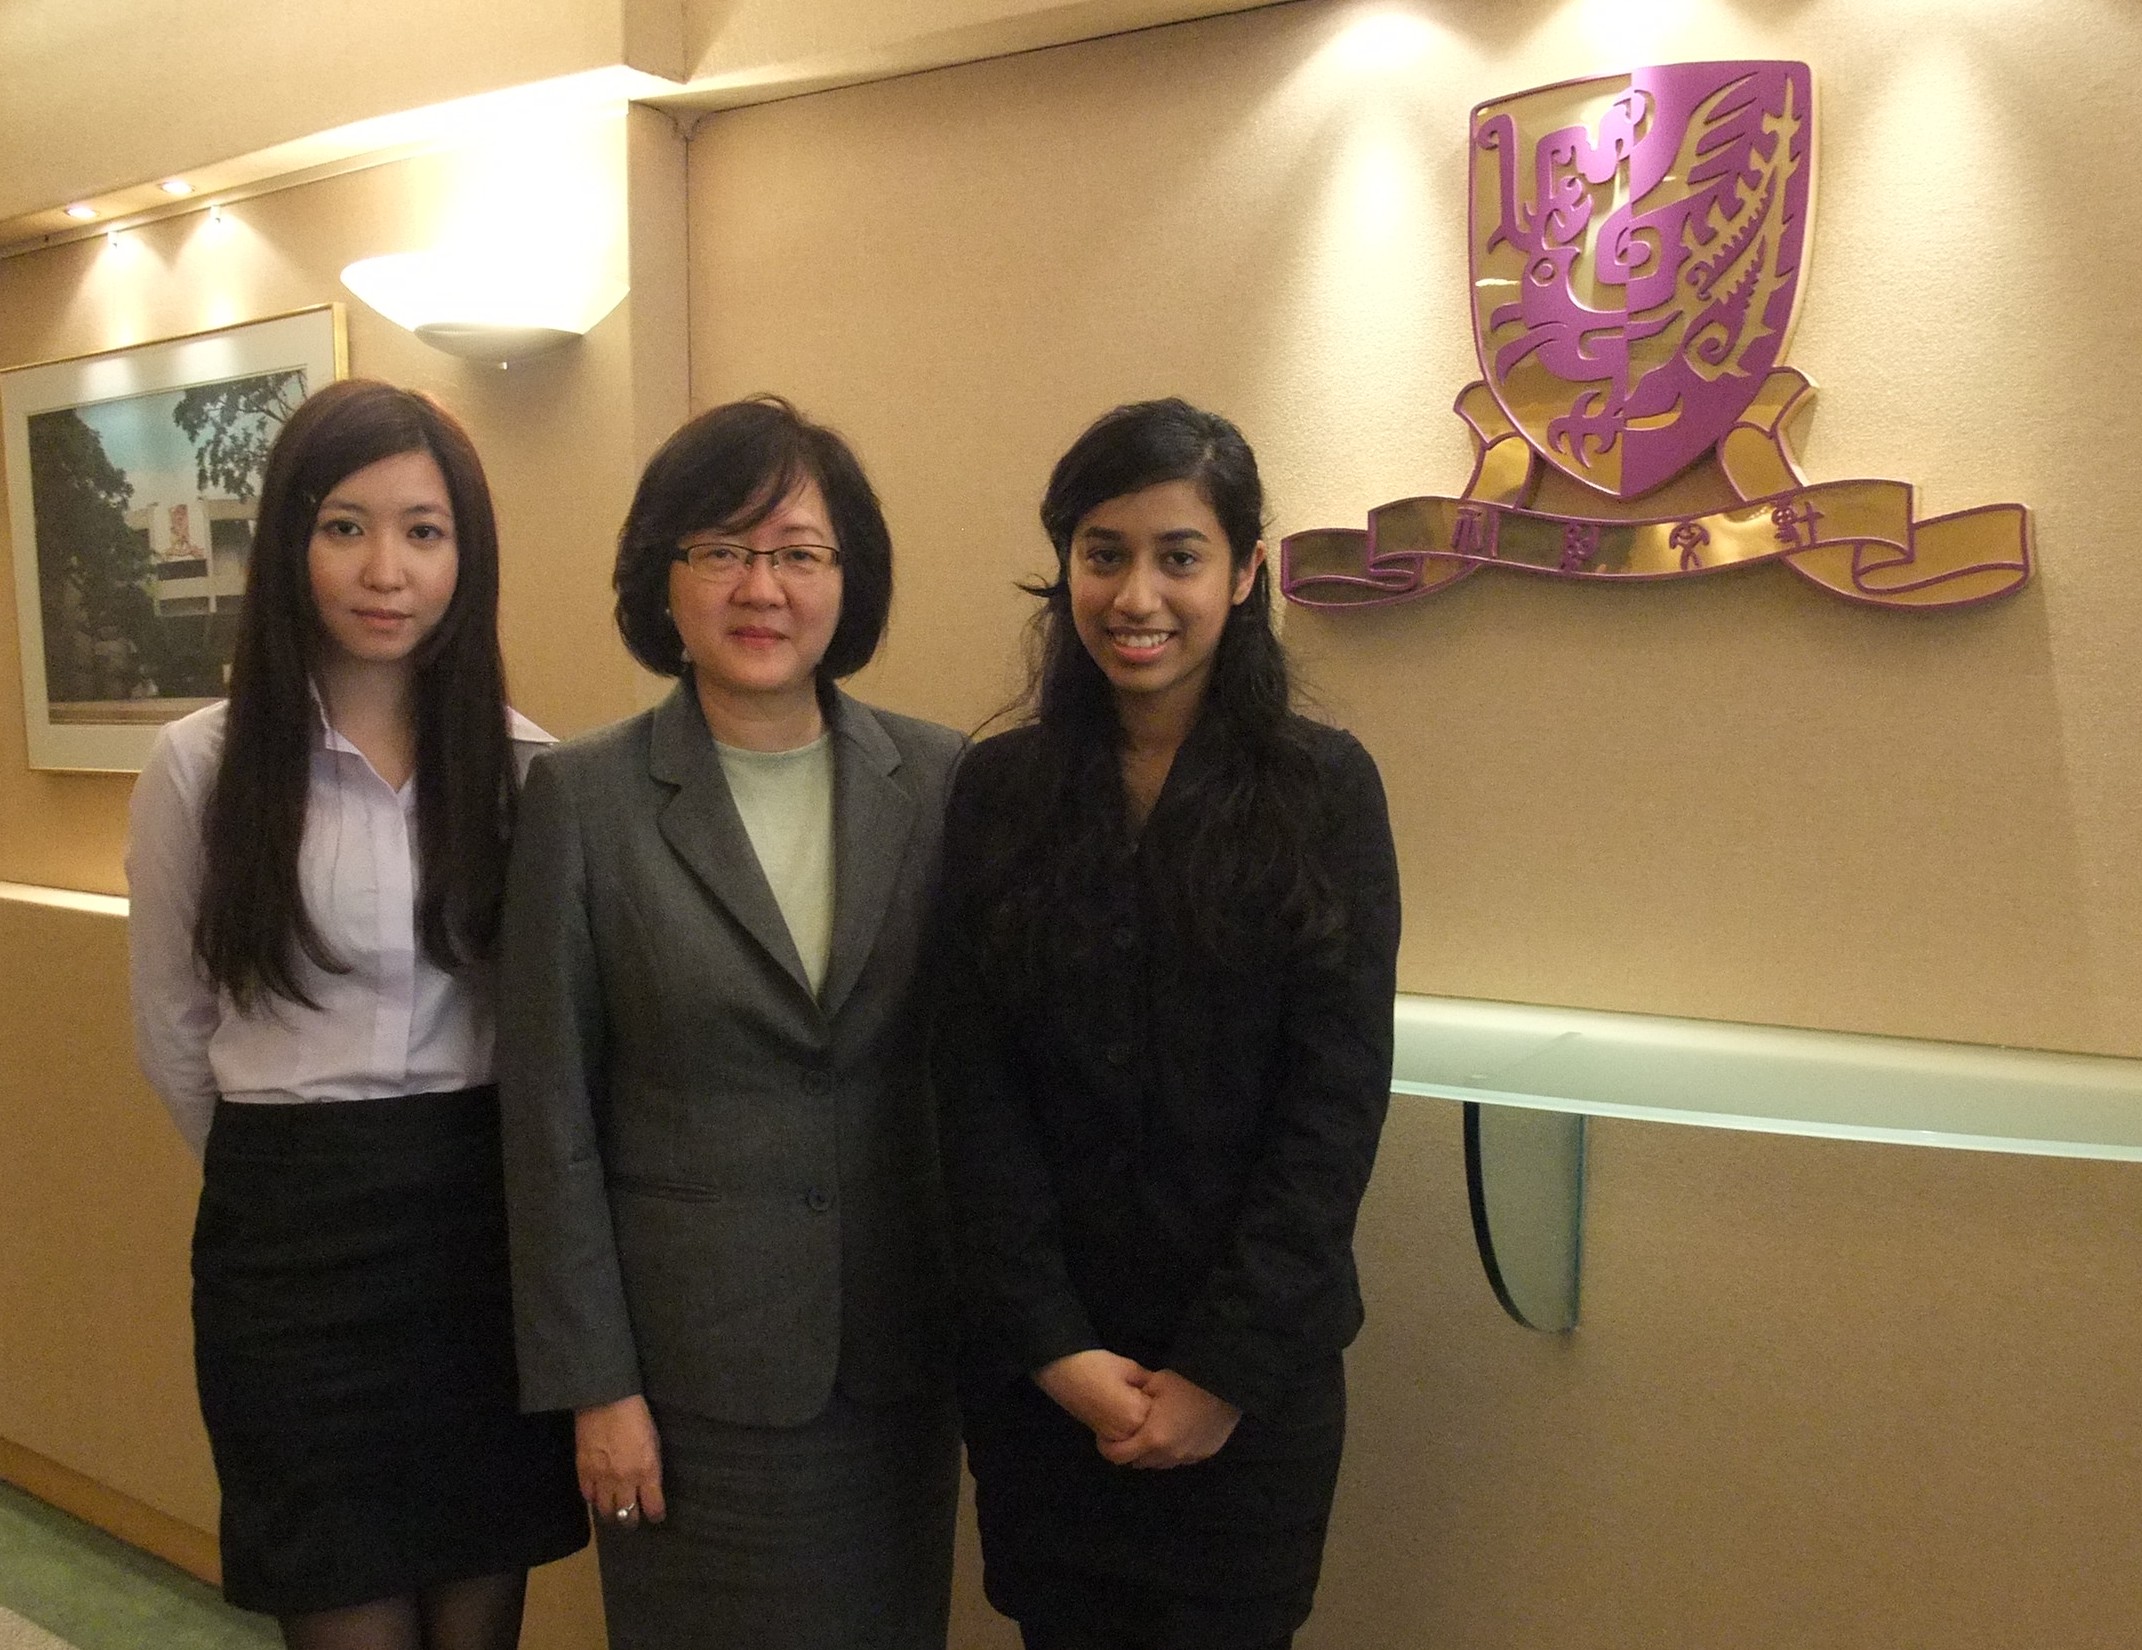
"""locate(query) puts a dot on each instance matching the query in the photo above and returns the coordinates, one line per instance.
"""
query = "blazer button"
(817, 1082)
(1117, 1054)
(1126, 939)
(817, 1201)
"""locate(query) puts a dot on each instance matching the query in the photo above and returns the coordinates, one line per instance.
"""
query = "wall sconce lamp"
(501, 307)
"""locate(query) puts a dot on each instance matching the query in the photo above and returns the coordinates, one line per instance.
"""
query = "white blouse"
(395, 1023)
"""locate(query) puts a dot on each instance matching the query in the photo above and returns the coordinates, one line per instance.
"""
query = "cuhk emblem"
(1637, 245)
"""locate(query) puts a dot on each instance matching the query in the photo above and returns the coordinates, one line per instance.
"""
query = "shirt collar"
(323, 729)
(518, 728)
(524, 732)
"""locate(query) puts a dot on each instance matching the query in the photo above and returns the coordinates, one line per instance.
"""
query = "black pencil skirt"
(353, 1341)
(1219, 1555)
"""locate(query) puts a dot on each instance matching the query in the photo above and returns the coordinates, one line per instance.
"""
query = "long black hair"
(253, 922)
(1228, 856)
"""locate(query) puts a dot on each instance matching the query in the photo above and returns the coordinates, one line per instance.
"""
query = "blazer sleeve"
(571, 1330)
(1016, 1298)
(176, 1007)
(1285, 1293)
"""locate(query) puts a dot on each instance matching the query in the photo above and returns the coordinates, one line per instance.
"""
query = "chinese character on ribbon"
(1580, 543)
(1689, 538)
(1466, 535)
(1795, 523)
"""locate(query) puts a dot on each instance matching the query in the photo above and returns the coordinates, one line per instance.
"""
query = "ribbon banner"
(1855, 539)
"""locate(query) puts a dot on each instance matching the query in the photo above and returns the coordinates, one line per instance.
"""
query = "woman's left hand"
(618, 1455)
(1185, 1424)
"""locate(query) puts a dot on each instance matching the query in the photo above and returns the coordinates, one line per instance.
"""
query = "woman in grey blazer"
(726, 1220)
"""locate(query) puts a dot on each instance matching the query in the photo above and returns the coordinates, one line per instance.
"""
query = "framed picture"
(133, 478)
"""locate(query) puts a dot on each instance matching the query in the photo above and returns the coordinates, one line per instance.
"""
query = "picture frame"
(133, 478)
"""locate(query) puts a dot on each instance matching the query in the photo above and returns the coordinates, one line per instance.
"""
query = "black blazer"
(722, 1191)
(1157, 1156)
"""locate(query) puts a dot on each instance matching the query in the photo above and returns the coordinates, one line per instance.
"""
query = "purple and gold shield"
(1636, 252)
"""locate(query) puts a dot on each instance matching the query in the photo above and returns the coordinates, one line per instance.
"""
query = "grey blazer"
(722, 1191)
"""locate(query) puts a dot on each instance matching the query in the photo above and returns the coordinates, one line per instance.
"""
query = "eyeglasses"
(720, 563)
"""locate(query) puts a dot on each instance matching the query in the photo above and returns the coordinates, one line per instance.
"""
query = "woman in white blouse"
(316, 867)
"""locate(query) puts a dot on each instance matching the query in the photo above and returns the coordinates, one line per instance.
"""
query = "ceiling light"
(176, 186)
(81, 212)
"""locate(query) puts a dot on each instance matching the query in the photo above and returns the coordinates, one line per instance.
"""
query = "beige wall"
(96, 1212)
(1824, 1393)
(1739, 799)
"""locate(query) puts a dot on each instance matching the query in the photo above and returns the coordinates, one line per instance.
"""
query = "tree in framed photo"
(93, 569)
(232, 426)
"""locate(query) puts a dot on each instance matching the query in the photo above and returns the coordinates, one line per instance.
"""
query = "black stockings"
(482, 1613)
(383, 1624)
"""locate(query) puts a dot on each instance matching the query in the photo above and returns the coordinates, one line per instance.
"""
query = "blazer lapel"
(703, 828)
(872, 821)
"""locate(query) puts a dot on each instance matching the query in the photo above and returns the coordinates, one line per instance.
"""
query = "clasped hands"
(1140, 1417)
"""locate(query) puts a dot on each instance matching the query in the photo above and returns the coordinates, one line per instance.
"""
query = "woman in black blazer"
(725, 1208)
(1163, 1050)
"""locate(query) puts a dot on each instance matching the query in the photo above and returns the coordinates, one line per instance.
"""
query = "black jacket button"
(818, 1202)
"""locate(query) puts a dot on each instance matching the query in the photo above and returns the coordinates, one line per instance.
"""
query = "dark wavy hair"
(253, 922)
(1233, 875)
(729, 469)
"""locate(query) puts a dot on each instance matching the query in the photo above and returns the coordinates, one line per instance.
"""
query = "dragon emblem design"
(1636, 251)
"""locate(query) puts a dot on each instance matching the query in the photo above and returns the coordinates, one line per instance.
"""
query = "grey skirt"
(835, 1535)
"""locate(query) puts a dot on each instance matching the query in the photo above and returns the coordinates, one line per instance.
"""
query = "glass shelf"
(1531, 1077)
(1769, 1078)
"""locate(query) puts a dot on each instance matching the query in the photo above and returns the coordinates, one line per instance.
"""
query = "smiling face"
(382, 561)
(1152, 582)
(755, 641)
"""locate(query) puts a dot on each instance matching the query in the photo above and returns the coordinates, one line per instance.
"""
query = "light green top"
(786, 800)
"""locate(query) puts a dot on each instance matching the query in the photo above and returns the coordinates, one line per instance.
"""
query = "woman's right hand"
(1103, 1390)
(619, 1458)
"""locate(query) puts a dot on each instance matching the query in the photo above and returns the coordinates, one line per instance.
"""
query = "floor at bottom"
(67, 1586)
